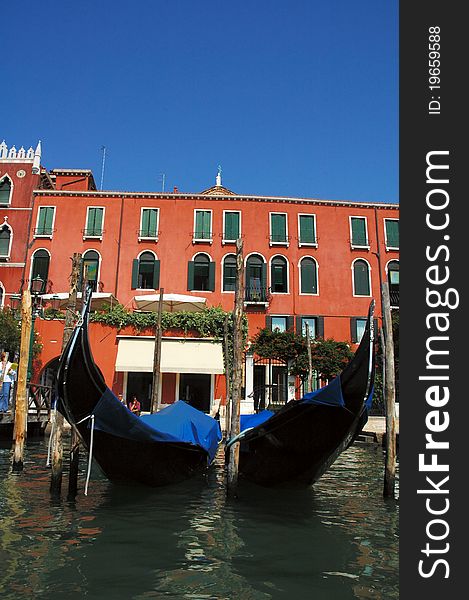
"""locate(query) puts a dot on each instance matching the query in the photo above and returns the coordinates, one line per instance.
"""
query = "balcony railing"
(256, 295)
(394, 298)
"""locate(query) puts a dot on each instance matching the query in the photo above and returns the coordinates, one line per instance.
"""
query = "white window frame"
(286, 243)
(300, 293)
(308, 244)
(388, 247)
(361, 246)
(98, 276)
(225, 240)
(3, 292)
(94, 237)
(369, 279)
(31, 261)
(12, 185)
(272, 317)
(44, 235)
(144, 237)
(6, 257)
(270, 275)
(202, 240)
(222, 271)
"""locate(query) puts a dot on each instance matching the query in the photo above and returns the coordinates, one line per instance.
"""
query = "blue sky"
(296, 98)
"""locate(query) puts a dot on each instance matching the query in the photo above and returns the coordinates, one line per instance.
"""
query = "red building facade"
(306, 261)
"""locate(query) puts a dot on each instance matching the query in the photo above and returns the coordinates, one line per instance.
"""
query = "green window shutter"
(44, 225)
(392, 234)
(290, 323)
(156, 275)
(361, 278)
(298, 327)
(358, 232)
(264, 278)
(95, 221)
(5, 190)
(268, 323)
(279, 229)
(211, 276)
(353, 329)
(149, 222)
(203, 224)
(309, 277)
(190, 275)
(307, 232)
(134, 285)
(320, 327)
(231, 226)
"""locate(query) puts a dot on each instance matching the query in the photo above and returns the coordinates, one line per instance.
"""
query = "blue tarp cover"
(179, 422)
(254, 420)
(330, 395)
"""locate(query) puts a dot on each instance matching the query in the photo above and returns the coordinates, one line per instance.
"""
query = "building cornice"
(210, 198)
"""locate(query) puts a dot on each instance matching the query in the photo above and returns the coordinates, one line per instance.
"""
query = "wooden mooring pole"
(389, 395)
(21, 408)
(310, 360)
(155, 390)
(237, 372)
(70, 318)
(226, 348)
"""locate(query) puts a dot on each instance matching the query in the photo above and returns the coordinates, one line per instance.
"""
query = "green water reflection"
(338, 540)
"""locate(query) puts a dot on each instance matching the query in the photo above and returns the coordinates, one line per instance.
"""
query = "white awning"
(177, 356)
(99, 300)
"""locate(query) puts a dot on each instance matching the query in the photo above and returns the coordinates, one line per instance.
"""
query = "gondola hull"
(300, 442)
(123, 457)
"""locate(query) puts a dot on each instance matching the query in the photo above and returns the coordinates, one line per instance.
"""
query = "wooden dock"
(374, 431)
(39, 410)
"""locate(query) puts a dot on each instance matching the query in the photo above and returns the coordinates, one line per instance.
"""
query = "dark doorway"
(259, 387)
(195, 389)
(139, 384)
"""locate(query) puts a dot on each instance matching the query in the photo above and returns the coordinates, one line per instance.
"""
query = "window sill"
(285, 244)
(201, 241)
(360, 246)
(149, 238)
(307, 244)
(392, 248)
(93, 237)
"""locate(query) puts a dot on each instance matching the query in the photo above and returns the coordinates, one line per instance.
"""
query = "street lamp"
(36, 289)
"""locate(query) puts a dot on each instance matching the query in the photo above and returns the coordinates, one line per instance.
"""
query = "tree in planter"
(10, 335)
(328, 356)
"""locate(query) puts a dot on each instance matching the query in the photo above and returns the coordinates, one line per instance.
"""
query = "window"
(203, 226)
(256, 279)
(315, 324)
(201, 274)
(278, 274)
(358, 325)
(94, 222)
(146, 272)
(229, 273)
(5, 241)
(307, 230)
(361, 278)
(45, 219)
(391, 232)
(278, 228)
(279, 323)
(231, 225)
(90, 269)
(359, 234)
(308, 276)
(40, 267)
(149, 223)
(2, 294)
(6, 188)
(393, 282)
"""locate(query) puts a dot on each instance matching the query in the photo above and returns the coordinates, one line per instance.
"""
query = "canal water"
(336, 540)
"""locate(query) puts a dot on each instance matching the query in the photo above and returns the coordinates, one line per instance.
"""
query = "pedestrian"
(134, 406)
(6, 377)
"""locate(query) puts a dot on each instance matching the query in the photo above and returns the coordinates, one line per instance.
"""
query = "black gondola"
(126, 447)
(300, 442)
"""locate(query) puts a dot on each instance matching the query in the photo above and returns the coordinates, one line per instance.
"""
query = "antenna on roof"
(218, 179)
(103, 149)
(162, 179)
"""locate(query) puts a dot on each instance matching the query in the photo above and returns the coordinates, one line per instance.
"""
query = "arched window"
(229, 273)
(278, 275)
(256, 279)
(91, 269)
(308, 276)
(201, 274)
(2, 294)
(361, 278)
(5, 190)
(393, 282)
(40, 267)
(146, 272)
(5, 241)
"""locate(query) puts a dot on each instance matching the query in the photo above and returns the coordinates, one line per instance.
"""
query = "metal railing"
(39, 399)
(254, 294)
